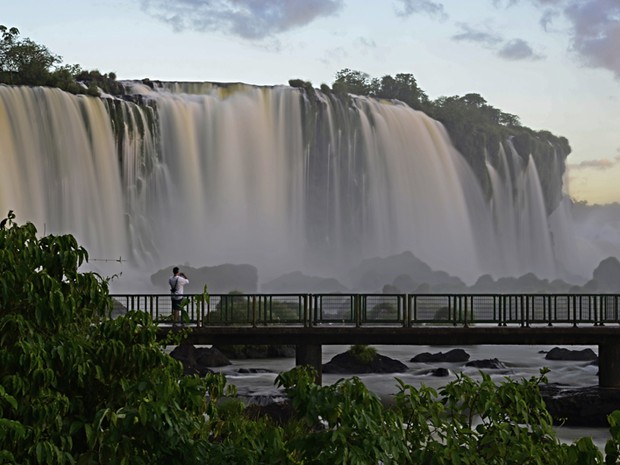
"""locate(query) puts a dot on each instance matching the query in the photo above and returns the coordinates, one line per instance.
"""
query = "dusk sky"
(553, 63)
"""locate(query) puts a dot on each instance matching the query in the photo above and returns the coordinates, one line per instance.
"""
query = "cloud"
(547, 18)
(518, 49)
(593, 28)
(433, 9)
(365, 45)
(596, 32)
(602, 165)
(472, 35)
(249, 19)
(335, 55)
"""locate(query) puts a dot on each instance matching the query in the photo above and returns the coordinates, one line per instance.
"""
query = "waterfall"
(520, 217)
(207, 174)
(60, 167)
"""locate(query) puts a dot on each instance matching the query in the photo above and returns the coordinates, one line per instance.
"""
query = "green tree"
(75, 385)
(355, 82)
(23, 61)
(403, 87)
(78, 387)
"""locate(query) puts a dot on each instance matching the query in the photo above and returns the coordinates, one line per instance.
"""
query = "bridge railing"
(381, 309)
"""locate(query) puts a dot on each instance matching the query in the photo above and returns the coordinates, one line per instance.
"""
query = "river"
(520, 362)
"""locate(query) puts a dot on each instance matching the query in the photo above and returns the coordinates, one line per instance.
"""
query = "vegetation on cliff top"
(24, 62)
(476, 128)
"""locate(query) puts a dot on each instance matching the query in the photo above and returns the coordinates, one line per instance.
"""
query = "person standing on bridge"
(177, 281)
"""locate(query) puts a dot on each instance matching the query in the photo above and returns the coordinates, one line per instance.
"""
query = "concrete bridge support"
(310, 354)
(609, 365)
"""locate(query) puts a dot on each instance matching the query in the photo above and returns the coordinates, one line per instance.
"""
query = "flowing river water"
(520, 362)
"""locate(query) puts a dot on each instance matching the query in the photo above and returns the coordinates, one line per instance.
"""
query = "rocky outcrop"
(437, 372)
(299, 282)
(346, 363)
(490, 363)
(452, 356)
(558, 353)
(405, 269)
(606, 276)
(581, 406)
(220, 279)
(198, 360)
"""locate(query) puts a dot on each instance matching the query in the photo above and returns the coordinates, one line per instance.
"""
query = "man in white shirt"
(177, 281)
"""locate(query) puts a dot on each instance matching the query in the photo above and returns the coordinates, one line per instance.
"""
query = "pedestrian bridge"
(309, 321)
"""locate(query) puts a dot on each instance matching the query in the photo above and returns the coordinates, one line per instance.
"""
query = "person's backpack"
(173, 290)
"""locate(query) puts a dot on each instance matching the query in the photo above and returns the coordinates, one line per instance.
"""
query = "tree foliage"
(24, 62)
(355, 82)
(403, 87)
(75, 385)
(78, 387)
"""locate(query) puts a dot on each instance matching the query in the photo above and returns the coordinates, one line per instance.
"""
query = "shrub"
(363, 354)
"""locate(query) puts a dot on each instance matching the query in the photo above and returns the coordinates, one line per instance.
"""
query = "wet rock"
(198, 361)
(252, 371)
(346, 363)
(491, 363)
(558, 353)
(452, 356)
(582, 406)
(211, 357)
(438, 372)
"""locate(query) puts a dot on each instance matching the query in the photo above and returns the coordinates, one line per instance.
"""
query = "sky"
(553, 63)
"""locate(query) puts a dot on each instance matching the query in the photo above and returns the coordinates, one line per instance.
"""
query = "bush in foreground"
(78, 387)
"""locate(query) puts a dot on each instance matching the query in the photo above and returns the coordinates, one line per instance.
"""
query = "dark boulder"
(346, 363)
(491, 363)
(607, 275)
(452, 356)
(211, 357)
(438, 372)
(198, 361)
(221, 279)
(253, 371)
(558, 353)
(582, 406)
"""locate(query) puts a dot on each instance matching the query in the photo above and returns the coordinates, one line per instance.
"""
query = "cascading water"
(208, 174)
(520, 217)
(59, 166)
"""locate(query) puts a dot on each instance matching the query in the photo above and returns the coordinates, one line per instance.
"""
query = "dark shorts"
(176, 304)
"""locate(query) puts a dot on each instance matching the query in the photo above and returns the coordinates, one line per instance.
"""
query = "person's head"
(175, 270)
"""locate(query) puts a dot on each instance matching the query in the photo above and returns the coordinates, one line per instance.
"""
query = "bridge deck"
(309, 321)
(406, 310)
(396, 335)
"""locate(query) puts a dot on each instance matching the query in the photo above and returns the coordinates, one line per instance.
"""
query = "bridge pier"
(310, 354)
(609, 365)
